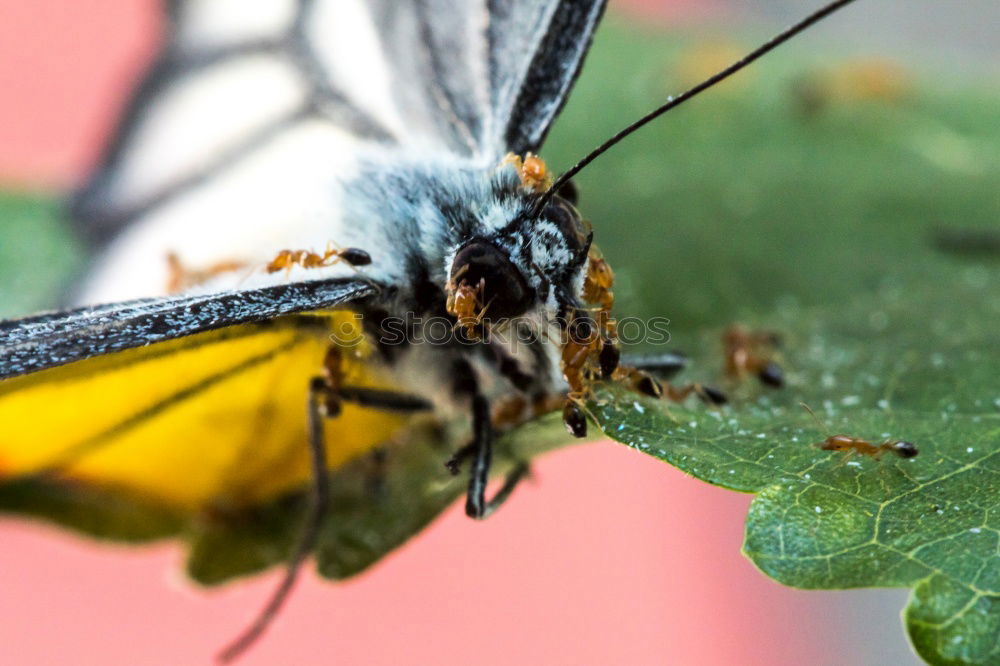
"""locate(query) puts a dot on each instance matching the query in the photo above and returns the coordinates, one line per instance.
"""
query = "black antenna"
(823, 428)
(671, 102)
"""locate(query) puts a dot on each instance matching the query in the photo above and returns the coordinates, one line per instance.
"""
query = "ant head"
(904, 449)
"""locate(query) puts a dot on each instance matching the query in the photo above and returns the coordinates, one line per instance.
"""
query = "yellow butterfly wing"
(213, 420)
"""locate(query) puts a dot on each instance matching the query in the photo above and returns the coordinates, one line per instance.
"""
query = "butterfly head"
(542, 266)
(527, 265)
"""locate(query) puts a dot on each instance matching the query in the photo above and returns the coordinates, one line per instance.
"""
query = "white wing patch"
(200, 117)
(222, 23)
(343, 35)
(285, 194)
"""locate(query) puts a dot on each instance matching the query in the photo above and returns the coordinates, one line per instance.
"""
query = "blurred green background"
(793, 184)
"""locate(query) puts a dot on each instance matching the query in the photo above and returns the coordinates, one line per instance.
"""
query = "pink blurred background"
(609, 557)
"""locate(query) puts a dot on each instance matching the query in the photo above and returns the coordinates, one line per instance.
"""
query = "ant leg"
(709, 395)
(845, 458)
(315, 510)
(666, 365)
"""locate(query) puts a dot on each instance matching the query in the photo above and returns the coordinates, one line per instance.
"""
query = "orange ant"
(514, 410)
(533, 172)
(287, 259)
(743, 354)
(582, 343)
(465, 303)
(181, 277)
(850, 445)
(591, 352)
(598, 282)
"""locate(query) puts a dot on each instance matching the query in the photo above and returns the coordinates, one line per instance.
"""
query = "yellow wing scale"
(216, 419)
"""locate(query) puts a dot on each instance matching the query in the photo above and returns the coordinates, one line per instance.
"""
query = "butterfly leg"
(324, 402)
(482, 457)
(481, 452)
(510, 481)
(318, 499)
(480, 449)
(454, 464)
(515, 476)
(388, 401)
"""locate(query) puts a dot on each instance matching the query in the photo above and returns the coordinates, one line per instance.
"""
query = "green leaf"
(826, 520)
(865, 241)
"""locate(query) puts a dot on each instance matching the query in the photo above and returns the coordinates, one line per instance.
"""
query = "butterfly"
(296, 201)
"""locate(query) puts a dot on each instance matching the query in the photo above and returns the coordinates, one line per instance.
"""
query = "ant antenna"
(822, 426)
(672, 102)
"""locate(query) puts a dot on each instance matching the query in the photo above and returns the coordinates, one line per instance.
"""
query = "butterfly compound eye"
(574, 228)
(505, 292)
(569, 192)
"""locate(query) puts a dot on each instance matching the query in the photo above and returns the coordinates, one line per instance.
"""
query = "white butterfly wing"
(237, 143)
